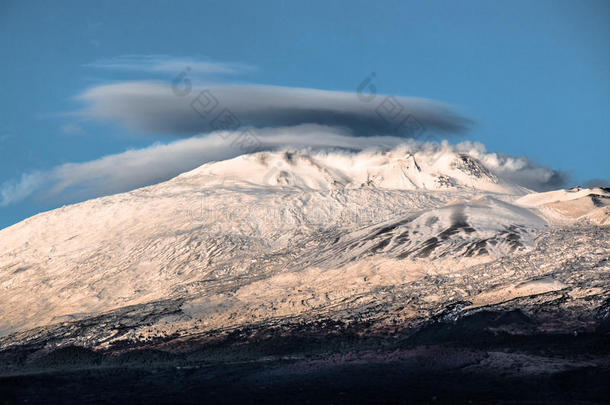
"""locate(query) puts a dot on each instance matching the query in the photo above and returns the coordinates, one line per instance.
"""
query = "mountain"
(394, 170)
(573, 205)
(420, 246)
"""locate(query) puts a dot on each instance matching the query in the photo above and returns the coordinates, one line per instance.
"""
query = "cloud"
(166, 64)
(72, 129)
(519, 170)
(12, 192)
(184, 110)
(141, 167)
(593, 183)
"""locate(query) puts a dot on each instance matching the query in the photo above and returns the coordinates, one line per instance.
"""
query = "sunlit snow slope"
(274, 235)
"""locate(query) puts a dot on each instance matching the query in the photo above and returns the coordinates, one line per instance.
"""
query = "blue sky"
(533, 76)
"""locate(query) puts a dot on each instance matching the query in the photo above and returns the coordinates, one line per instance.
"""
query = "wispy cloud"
(12, 192)
(72, 129)
(168, 64)
(141, 167)
(519, 170)
(596, 183)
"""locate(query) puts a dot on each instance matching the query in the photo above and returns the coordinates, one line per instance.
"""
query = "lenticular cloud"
(187, 110)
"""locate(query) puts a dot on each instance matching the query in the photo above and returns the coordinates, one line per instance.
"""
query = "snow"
(396, 169)
(273, 234)
(573, 205)
(537, 199)
(525, 289)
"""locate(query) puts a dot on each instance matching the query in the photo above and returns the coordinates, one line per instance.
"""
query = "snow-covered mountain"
(295, 235)
(573, 205)
(398, 169)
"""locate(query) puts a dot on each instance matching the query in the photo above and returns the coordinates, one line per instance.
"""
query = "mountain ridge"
(396, 169)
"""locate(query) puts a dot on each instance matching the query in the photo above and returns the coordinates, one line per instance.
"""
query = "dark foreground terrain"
(481, 358)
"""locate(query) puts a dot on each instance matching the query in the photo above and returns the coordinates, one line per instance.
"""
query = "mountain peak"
(396, 169)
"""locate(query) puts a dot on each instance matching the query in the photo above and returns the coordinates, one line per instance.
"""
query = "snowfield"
(393, 238)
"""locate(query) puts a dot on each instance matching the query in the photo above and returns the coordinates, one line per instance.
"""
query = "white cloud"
(12, 192)
(137, 168)
(519, 170)
(168, 64)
